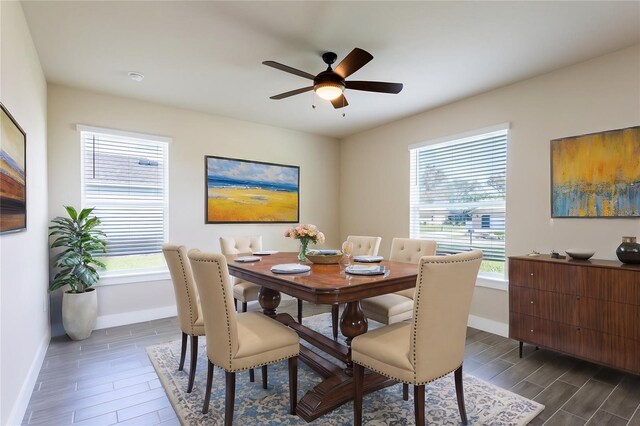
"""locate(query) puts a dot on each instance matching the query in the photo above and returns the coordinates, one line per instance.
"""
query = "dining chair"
(362, 246)
(239, 341)
(395, 307)
(243, 291)
(188, 304)
(432, 344)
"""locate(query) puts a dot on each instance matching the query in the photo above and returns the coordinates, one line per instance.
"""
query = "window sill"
(135, 276)
(492, 282)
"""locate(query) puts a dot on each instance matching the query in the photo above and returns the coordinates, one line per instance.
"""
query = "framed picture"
(243, 191)
(596, 175)
(13, 178)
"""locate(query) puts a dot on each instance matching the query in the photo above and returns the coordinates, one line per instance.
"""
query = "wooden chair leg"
(183, 351)
(194, 362)
(264, 377)
(460, 394)
(244, 306)
(299, 311)
(334, 320)
(293, 384)
(358, 385)
(229, 397)
(252, 376)
(207, 392)
(418, 404)
(235, 304)
(405, 392)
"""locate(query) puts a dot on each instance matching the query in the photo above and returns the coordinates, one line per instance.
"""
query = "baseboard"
(490, 326)
(125, 318)
(24, 396)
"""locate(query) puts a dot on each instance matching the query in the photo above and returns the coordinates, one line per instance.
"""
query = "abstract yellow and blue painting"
(243, 191)
(596, 175)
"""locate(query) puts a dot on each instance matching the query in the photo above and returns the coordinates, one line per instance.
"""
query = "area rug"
(486, 404)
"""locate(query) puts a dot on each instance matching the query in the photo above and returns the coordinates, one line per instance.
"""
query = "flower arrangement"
(307, 233)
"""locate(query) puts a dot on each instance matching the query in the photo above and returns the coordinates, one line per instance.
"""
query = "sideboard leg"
(521, 345)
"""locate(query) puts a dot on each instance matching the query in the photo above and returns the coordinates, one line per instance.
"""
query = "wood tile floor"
(108, 379)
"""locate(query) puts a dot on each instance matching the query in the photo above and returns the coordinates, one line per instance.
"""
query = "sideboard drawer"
(542, 276)
(620, 319)
(544, 304)
(538, 331)
(610, 284)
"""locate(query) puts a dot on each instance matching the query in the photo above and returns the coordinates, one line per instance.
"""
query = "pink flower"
(287, 233)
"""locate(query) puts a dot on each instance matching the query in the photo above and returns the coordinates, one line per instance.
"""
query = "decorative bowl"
(580, 254)
(324, 259)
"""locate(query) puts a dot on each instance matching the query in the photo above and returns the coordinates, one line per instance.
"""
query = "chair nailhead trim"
(415, 383)
(184, 275)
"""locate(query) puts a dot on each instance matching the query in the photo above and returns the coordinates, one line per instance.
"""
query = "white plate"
(365, 270)
(265, 252)
(247, 259)
(368, 259)
(290, 268)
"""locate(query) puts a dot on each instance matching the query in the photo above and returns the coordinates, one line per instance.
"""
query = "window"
(458, 189)
(124, 177)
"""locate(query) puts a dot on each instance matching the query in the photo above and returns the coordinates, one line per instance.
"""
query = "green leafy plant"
(79, 237)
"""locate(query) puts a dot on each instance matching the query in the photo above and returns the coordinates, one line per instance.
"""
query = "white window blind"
(125, 179)
(457, 194)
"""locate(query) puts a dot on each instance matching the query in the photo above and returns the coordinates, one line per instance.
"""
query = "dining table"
(325, 284)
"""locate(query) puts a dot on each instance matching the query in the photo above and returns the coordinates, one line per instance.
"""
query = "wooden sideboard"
(589, 309)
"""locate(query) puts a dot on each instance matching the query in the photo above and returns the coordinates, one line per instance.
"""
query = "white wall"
(600, 94)
(24, 258)
(194, 136)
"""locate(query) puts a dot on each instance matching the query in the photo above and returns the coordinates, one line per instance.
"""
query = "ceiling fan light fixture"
(329, 90)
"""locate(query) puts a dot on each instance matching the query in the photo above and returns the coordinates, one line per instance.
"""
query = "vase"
(304, 246)
(79, 313)
(629, 251)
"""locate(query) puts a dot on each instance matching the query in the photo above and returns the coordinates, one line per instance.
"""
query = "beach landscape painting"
(596, 175)
(244, 191)
(13, 183)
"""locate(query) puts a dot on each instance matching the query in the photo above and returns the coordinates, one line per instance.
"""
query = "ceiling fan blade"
(288, 69)
(339, 102)
(355, 60)
(291, 93)
(374, 86)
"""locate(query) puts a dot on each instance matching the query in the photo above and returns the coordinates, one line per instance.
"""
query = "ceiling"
(207, 56)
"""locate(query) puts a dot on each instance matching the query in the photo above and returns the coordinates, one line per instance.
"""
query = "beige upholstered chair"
(243, 291)
(188, 304)
(432, 344)
(365, 246)
(396, 307)
(238, 341)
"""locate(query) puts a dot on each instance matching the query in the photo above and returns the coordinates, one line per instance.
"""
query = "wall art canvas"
(13, 179)
(596, 175)
(243, 191)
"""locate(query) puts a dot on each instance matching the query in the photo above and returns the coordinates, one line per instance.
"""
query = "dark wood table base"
(337, 386)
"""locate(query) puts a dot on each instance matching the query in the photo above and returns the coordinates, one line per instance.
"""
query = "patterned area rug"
(486, 404)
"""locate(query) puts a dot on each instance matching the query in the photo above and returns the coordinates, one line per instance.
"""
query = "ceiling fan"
(330, 84)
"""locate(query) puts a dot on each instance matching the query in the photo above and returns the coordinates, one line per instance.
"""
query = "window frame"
(485, 279)
(134, 275)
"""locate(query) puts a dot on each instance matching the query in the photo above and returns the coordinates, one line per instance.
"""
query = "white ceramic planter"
(79, 312)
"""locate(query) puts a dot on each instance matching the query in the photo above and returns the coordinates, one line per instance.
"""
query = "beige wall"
(601, 94)
(194, 136)
(24, 270)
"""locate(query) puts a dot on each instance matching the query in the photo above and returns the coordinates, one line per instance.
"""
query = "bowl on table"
(580, 254)
(324, 257)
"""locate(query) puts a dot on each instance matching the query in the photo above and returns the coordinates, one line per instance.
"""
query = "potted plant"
(80, 239)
